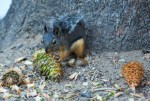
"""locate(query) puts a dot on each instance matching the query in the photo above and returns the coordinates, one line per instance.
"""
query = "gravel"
(103, 69)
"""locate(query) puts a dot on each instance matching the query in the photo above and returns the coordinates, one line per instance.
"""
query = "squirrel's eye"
(54, 41)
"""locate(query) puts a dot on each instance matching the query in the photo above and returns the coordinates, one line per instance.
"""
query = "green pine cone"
(47, 65)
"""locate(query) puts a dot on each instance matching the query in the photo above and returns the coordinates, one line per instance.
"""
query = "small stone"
(83, 70)
(1, 65)
(87, 58)
(38, 98)
(76, 90)
(78, 63)
(83, 78)
(28, 63)
(63, 64)
(116, 53)
(85, 83)
(33, 93)
(86, 94)
(93, 68)
(84, 99)
(121, 60)
(65, 91)
(105, 85)
(71, 62)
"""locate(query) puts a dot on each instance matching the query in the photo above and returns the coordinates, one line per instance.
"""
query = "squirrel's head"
(50, 39)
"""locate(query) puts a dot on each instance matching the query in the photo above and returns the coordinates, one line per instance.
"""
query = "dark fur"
(65, 31)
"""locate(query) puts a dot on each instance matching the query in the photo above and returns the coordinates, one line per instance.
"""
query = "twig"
(103, 89)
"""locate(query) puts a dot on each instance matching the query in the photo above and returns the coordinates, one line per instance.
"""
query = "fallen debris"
(12, 76)
(133, 73)
(74, 76)
(20, 59)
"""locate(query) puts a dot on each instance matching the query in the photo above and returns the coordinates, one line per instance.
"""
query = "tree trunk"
(112, 25)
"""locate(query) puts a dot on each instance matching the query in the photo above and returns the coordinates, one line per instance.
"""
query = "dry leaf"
(7, 95)
(131, 99)
(23, 67)
(69, 95)
(118, 94)
(56, 95)
(46, 96)
(148, 100)
(15, 87)
(118, 87)
(148, 83)
(68, 85)
(104, 80)
(1, 83)
(38, 98)
(20, 59)
(2, 90)
(137, 94)
(31, 93)
(30, 85)
(85, 83)
(42, 86)
(96, 84)
(27, 80)
(99, 98)
(27, 92)
(74, 76)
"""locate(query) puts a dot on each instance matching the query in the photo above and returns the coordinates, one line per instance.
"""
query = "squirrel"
(67, 36)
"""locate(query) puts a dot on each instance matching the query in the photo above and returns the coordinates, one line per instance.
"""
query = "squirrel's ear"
(45, 28)
(55, 31)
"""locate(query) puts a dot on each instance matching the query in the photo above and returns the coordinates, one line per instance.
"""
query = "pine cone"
(47, 65)
(12, 76)
(133, 73)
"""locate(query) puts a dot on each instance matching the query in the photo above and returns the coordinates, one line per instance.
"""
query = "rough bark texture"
(112, 24)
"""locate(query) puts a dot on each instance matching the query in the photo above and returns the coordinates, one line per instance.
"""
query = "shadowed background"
(113, 25)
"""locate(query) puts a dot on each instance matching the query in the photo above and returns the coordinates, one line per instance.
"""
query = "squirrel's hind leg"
(78, 48)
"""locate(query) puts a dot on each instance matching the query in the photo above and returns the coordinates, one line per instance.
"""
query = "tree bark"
(113, 25)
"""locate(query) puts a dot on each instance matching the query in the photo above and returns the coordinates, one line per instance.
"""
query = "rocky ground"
(99, 80)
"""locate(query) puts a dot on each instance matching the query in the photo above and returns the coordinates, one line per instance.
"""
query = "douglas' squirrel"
(68, 35)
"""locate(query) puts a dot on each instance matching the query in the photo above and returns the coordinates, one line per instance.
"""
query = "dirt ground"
(100, 79)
